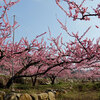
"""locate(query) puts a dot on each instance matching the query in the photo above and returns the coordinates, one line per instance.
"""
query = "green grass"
(80, 96)
(74, 91)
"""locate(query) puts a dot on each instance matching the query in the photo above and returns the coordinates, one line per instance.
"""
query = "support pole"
(13, 50)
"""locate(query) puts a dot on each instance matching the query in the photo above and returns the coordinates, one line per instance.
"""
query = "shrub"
(96, 86)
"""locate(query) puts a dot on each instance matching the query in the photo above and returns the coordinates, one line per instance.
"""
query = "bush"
(22, 86)
(96, 86)
(3, 80)
(89, 86)
(79, 87)
(19, 80)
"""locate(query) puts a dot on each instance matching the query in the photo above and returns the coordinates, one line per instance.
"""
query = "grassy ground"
(80, 96)
(67, 91)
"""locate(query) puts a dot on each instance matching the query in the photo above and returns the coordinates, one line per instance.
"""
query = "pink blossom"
(96, 26)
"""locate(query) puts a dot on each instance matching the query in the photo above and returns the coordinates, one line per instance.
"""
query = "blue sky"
(35, 16)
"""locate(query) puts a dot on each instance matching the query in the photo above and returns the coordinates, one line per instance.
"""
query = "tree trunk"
(9, 83)
(53, 80)
(34, 80)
